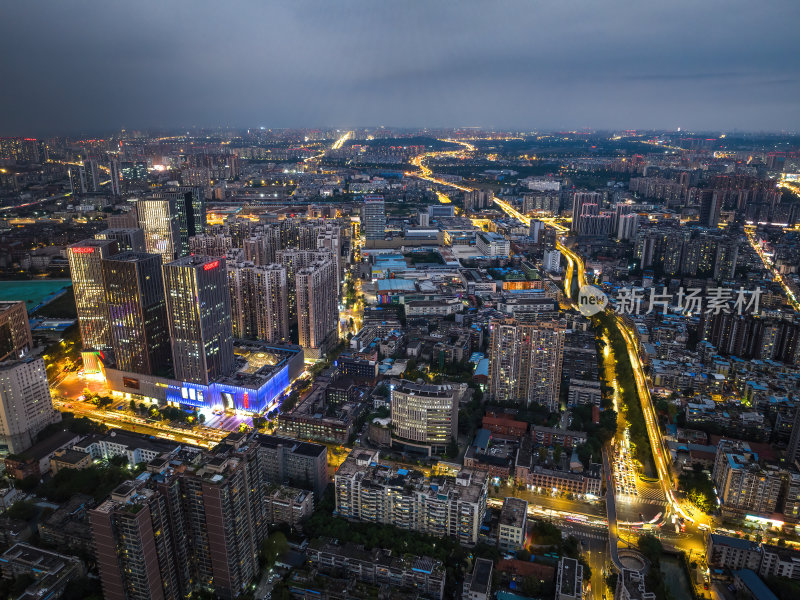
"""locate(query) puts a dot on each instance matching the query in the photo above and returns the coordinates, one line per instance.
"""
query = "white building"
(25, 403)
(492, 244)
(552, 261)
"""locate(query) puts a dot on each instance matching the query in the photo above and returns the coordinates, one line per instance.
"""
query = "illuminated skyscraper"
(86, 268)
(161, 224)
(190, 206)
(15, 330)
(374, 221)
(259, 301)
(137, 312)
(317, 306)
(128, 240)
(525, 360)
(199, 315)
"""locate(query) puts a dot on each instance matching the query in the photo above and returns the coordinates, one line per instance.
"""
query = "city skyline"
(519, 65)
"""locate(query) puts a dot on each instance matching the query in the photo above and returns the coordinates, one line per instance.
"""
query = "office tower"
(159, 220)
(199, 316)
(15, 330)
(137, 312)
(710, 207)
(138, 545)
(92, 175)
(579, 199)
(25, 403)
(124, 220)
(115, 186)
(424, 417)
(317, 306)
(525, 361)
(628, 226)
(259, 301)
(374, 221)
(86, 270)
(743, 485)
(77, 179)
(190, 204)
(128, 240)
(452, 507)
(208, 244)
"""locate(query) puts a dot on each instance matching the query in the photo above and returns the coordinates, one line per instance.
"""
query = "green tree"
(273, 548)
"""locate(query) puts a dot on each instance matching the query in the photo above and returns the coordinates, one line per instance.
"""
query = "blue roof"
(396, 285)
(482, 368)
(753, 583)
(482, 437)
(503, 595)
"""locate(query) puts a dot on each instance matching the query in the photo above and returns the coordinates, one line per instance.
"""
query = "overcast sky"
(90, 67)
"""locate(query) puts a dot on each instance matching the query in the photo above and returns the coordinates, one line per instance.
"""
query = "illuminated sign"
(82, 250)
(211, 265)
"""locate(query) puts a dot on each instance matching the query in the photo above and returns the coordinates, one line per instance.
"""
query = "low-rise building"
(69, 459)
(50, 571)
(513, 527)
(367, 489)
(630, 586)
(411, 573)
(478, 584)
(289, 505)
(727, 552)
(569, 580)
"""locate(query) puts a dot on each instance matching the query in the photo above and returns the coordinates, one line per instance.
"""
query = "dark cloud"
(90, 66)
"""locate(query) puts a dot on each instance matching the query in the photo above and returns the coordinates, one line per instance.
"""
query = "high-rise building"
(710, 207)
(294, 261)
(77, 179)
(128, 219)
(454, 507)
(25, 403)
(525, 360)
(552, 261)
(628, 226)
(92, 175)
(374, 220)
(302, 464)
(579, 199)
(317, 306)
(116, 177)
(185, 530)
(209, 244)
(20, 149)
(137, 312)
(329, 238)
(128, 240)
(744, 485)
(139, 545)
(424, 417)
(86, 268)
(15, 330)
(160, 222)
(190, 204)
(259, 301)
(199, 316)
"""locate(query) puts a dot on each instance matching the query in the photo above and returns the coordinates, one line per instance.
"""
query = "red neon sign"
(211, 265)
(82, 250)
(246, 399)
